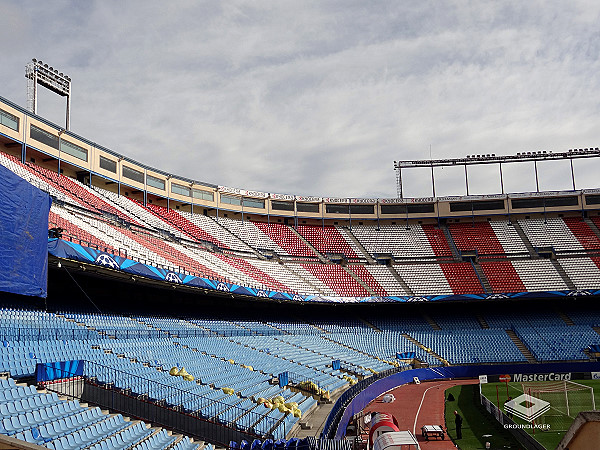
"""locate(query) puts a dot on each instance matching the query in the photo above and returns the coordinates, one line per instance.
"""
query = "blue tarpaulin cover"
(58, 370)
(23, 236)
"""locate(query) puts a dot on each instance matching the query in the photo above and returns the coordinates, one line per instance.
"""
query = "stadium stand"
(178, 240)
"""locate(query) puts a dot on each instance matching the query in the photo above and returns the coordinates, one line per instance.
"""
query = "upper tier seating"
(478, 236)
(402, 243)
(502, 276)
(329, 240)
(539, 275)
(462, 278)
(248, 232)
(424, 279)
(550, 232)
(287, 239)
(508, 237)
(340, 281)
(582, 231)
(183, 242)
(215, 230)
(583, 272)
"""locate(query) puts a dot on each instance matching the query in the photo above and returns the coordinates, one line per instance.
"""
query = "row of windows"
(240, 201)
(155, 182)
(110, 165)
(7, 119)
(53, 141)
(300, 207)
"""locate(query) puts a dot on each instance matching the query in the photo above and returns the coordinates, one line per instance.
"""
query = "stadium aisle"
(417, 405)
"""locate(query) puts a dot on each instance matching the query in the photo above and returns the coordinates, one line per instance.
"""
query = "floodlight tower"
(36, 73)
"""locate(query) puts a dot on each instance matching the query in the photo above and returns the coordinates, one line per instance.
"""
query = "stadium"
(225, 317)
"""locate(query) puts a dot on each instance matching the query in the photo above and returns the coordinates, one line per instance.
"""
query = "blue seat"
(267, 444)
(303, 444)
(291, 444)
(256, 444)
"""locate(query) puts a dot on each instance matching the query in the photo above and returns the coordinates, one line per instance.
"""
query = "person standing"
(458, 422)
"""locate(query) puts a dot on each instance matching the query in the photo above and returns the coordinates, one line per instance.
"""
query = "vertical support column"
(537, 181)
(466, 179)
(145, 197)
(572, 173)
(119, 170)
(35, 91)
(501, 180)
(24, 147)
(168, 187)
(433, 182)
(68, 118)
(399, 181)
(350, 214)
(295, 215)
(60, 132)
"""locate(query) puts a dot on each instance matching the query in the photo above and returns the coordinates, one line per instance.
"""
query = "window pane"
(337, 209)
(181, 190)
(282, 206)
(362, 209)
(73, 150)
(155, 182)
(254, 203)
(133, 174)
(307, 207)
(9, 120)
(203, 195)
(230, 200)
(108, 164)
(43, 136)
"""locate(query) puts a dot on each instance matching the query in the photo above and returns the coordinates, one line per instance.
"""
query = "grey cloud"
(317, 98)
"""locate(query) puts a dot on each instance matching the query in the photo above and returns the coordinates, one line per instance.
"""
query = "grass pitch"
(556, 420)
(477, 422)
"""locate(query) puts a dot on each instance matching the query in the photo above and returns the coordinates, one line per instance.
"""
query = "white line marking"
(419, 410)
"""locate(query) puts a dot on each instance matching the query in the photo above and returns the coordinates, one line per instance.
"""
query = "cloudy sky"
(320, 97)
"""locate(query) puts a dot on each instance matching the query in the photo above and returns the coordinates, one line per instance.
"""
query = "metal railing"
(174, 407)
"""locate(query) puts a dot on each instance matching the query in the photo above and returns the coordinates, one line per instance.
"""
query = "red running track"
(417, 405)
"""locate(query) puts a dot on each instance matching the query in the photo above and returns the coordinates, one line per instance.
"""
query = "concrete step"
(521, 346)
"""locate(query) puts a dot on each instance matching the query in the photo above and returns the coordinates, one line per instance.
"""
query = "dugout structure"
(566, 399)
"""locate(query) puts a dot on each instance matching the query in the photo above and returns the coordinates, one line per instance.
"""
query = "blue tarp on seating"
(58, 370)
(23, 236)
(283, 378)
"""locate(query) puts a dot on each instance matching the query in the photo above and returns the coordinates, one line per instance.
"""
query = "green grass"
(477, 422)
(559, 423)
